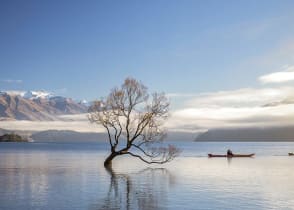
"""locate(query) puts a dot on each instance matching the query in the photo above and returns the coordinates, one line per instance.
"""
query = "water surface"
(72, 176)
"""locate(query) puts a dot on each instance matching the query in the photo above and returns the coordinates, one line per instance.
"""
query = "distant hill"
(73, 136)
(3, 131)
(249, 134)
(37, 106)
(67, 136)
(12, 138)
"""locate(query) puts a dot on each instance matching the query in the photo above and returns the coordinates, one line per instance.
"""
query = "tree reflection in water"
(146, 189)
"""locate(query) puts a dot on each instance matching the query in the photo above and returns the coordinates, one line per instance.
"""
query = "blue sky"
(81, 49)
(223, 64)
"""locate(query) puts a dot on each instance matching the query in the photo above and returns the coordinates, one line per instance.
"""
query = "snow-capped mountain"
(85, 102)
(28, 94)
(36, 105)
(37, 94)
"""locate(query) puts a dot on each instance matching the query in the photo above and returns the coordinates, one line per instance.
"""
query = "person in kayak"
(229, 153)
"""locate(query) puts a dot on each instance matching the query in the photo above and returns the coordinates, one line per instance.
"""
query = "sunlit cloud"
(279, 77)
(234, 98)
(249, 107)
(227, 117)
(239, 98)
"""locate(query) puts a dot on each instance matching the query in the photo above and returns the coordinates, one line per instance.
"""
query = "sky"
(220, 62)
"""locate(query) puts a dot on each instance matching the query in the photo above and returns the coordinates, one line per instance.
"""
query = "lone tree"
(133, 120)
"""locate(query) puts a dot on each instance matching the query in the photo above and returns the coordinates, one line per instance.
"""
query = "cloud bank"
(279, 77)
(78, 123)
(247, 107)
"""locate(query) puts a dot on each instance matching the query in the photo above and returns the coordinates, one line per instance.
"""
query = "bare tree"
(133, 120)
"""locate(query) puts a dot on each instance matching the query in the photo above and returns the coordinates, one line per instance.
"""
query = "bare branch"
(168, 154)
(130, 113)
(142, 150)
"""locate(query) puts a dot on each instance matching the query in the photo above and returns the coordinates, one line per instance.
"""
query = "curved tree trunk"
(108, 160)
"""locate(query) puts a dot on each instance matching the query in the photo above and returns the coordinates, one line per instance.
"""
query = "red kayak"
(231, 156)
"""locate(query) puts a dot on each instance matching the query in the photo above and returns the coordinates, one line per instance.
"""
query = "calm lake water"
(71, 176)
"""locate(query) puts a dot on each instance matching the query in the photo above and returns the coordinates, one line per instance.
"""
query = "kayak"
(231, 156)
(291, 153)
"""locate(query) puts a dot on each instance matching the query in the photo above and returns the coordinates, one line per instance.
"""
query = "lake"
(71, 176)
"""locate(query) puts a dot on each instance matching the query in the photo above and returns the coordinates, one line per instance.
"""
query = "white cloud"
(207, 118)
(237, 108)
(239, 98)
(279, 77)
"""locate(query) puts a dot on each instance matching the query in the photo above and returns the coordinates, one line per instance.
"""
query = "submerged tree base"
(108, 160)
(166, 154)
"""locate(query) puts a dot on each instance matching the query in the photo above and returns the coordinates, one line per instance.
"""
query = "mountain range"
(43, 106)
(67, 136)
(248, 134)
(37, 105)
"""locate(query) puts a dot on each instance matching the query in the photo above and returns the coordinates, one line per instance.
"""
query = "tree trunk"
(108, 160)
